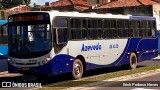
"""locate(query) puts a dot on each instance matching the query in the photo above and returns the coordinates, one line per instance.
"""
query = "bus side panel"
(143, 47)
(147, 48)
(3, 52)
(125, 55)
(62, 63)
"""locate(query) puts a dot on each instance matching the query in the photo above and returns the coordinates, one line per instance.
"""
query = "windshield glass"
(3, 35)
(29, 38)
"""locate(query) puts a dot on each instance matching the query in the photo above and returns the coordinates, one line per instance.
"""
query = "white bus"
(51, 43)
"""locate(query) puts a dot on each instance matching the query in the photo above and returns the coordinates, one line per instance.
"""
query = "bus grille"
(25, 63)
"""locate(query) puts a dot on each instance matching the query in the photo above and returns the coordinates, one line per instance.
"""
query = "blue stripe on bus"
(142, 18)
(3, 52)
(132, 45)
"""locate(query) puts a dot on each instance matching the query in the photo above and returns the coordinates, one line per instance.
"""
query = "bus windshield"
(29, 38)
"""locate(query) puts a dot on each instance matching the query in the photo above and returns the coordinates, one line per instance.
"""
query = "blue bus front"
(30, 43)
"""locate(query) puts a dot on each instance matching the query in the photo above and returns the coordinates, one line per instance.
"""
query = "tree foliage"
(12, 3)
(27, 2)
(34, 4)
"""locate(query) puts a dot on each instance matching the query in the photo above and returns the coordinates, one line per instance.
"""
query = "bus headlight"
(44, 61)
(48, 58)
(9, 59)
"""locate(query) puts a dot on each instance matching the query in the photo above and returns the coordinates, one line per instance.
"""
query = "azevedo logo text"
(91, 47)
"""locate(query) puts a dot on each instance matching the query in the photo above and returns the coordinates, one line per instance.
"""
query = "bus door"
(95, 52)
(110, 51)
(95, 48)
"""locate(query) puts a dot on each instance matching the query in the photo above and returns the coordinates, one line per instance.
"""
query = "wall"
(3, 15)
(92, 1)
(97, 1)
(156, 13)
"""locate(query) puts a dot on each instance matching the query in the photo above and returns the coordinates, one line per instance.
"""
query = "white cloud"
(41, 2)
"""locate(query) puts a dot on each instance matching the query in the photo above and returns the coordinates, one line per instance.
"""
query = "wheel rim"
(77, 69)
(133, 61)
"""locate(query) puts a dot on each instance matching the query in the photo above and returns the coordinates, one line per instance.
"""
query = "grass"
(74, 83)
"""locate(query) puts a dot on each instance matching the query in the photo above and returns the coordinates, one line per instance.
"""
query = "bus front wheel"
(133, 61)
(77, 71)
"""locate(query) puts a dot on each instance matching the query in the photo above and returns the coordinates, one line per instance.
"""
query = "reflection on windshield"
(29, 38)
(3, 35)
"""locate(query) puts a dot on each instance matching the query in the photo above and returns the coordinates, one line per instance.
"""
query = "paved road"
(150, 62)
(145, 83)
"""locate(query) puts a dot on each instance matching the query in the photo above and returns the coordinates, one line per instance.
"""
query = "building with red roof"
(128, 3)
(20, 8)
(132, 7)
(78, 5)
(67, 5)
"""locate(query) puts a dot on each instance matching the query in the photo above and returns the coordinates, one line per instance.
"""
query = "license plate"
(25, 68)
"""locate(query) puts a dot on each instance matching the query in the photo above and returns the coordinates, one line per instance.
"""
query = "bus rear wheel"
(77, 71)
(133, 61)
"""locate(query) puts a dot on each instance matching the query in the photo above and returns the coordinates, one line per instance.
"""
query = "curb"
(6, 74)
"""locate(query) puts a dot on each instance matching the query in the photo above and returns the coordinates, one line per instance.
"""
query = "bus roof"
(54, 13)
(89, 15)
(142, 18)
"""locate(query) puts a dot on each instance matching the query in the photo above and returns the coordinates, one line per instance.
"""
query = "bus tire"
(77, 70)
(133, 61)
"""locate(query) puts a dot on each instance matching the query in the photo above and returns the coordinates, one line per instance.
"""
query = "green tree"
(27, 2)
(4, 4)
(10, 3)
(34, 4)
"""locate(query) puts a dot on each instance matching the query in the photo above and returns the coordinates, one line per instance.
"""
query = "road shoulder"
(94, 85)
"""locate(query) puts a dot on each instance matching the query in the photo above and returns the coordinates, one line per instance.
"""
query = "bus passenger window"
(100, 34)
(153, 33)
(84, 23)
(62, 36)
(75, 23)
(141, 33)
(153, 28)
(115, 33)
(60, 22)
(84, 34)
(76, 33)
(93, 34)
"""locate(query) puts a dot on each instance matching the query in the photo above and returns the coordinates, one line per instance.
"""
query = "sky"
(41, 2)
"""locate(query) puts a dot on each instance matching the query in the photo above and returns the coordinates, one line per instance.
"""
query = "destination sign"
(28, 18)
